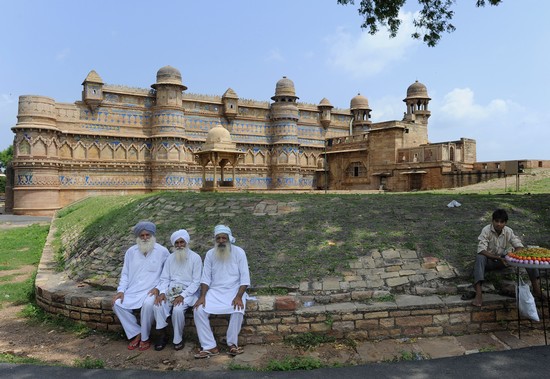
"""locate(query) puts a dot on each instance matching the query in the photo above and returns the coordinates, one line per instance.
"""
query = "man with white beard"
(139, 278)
(224, 281)
(179, 288)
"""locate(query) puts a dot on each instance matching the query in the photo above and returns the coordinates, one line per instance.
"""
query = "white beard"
(180, 254)
(146, 247)
(223, 252)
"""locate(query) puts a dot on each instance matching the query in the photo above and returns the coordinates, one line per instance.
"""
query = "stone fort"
(122, 140)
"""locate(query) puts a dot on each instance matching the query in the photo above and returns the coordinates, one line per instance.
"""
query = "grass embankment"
(318, 237)
(20, 251)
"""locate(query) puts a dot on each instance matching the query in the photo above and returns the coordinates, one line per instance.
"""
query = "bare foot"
(477, 302)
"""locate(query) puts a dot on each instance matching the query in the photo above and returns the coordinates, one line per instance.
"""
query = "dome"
(218, 134)
(169, 75)
(219, 139)
(285, 87)
(325, 103)
(417, 90)
(359, 102)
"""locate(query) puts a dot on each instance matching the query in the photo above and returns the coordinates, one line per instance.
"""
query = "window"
(356, 169)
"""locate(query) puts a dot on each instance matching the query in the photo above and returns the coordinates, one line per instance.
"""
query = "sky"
(489, 80)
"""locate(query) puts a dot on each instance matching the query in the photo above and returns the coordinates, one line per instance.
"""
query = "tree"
(6, 157)
(434, 18)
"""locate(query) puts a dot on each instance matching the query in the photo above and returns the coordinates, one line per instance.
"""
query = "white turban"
(219, 229)
(144, 225)
(182, 233)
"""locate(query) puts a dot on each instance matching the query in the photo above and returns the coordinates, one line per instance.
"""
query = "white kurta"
(181, 278)
(140, 274)
(224, 279)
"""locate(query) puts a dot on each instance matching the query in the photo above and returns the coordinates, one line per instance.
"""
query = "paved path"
(529, 362)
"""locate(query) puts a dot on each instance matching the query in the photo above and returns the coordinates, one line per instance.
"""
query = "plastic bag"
(526, 301)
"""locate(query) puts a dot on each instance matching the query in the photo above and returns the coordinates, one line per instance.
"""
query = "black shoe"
(161, 344)
(179, 346)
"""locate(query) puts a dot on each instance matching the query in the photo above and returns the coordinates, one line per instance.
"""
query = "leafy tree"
(434, 17)
(6, 157)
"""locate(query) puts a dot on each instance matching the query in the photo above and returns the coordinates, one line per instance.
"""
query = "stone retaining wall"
(350, 312)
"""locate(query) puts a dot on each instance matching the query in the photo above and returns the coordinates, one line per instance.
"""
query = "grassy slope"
(317, 239)
(19, 247)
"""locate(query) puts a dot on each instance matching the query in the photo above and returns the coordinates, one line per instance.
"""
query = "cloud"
(366, 55)
(62, 55)
(460, 104)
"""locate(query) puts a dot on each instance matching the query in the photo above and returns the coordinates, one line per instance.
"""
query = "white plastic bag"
(526, 302)
(453, 204)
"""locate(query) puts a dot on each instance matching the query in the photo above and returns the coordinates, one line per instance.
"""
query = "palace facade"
(122, 140)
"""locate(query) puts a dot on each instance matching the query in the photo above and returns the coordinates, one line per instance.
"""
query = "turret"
(92, 93)
(417, 103)
(230, 104)
(360, 110)
(325, 107)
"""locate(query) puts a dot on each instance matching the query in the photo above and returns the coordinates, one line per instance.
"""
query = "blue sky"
(488, 80)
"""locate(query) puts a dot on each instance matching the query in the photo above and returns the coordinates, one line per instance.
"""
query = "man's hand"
(201, 301)
(153, 292)
(119, 295)
(160, 298)
(237, 303)
(178, 300)
(504, 261)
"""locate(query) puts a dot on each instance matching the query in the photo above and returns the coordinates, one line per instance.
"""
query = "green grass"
(295, 363)
(17, 359)
(308, 341)
(89, 363)
(37, 315)
(22, 246)
(317, 239)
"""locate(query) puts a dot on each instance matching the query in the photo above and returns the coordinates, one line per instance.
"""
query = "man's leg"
(161, 312)
(202, 322)
(483, 264)
(127, 320)
(479, 276)
(234, 328)
(178, 322)
(147, 317)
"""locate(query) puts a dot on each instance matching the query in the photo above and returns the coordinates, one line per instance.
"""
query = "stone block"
(394, 282)
(390, 254)
(483, 316)
(419, 321)
(286, 303)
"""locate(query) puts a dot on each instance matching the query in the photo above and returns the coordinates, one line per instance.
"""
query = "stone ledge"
(272, 318)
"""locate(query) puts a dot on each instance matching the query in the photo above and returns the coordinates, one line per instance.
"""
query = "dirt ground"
(53, 345)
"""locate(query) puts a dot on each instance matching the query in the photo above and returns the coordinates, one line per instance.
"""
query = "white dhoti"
(206, 336)
(163, 311)
(224, 278)
(129, 321)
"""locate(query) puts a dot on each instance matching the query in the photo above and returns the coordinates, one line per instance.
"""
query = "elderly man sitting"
(224, 281)
(139, 278)
(179, 288)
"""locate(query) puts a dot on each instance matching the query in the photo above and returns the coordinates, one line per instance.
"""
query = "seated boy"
(494, 241)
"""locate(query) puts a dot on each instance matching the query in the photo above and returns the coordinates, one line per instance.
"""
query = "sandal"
(134, 344)
(179, 346)
(207, 353)
(235, 350)
(468, 296)
(161, 344)
(144, 345)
